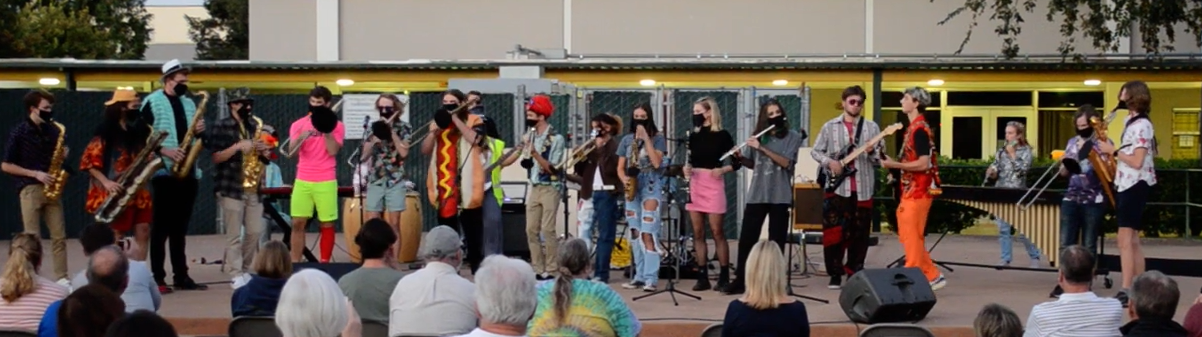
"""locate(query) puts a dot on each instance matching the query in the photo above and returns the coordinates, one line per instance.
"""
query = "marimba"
(1040, 222)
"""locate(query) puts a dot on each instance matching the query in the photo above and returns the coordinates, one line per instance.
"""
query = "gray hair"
(109, 267)
(919, 94)
(440, 243)
(995, 320)
(311, 305)
(1154, 295)
(505, 291)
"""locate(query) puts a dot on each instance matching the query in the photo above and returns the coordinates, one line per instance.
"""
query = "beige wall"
(283, 30)
(170, 25)
(911, 27)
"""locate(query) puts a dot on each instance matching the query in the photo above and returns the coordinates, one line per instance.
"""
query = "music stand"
(671, 287)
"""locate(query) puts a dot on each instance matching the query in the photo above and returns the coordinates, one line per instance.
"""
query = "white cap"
(172, 67)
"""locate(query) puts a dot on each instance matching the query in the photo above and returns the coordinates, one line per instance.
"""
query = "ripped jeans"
(644, 221)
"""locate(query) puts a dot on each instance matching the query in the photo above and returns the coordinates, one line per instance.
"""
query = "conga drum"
(352, 219)
(411, 228)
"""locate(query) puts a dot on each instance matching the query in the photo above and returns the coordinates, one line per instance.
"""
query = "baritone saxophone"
(136, 175)
(191, 145)
(58, 177)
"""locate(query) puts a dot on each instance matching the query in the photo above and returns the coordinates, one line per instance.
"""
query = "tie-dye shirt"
(596, 311)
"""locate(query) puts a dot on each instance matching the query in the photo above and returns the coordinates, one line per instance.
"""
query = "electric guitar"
(848, 155)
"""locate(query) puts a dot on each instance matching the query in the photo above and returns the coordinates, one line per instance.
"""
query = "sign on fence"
(359, 111)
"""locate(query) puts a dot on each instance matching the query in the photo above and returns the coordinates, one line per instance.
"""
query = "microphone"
(366, 123)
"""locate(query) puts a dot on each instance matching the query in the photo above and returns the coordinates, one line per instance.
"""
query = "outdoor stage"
(207, 313)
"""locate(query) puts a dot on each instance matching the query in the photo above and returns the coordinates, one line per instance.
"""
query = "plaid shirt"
(387, 163)
(833, 138)
(227, 176)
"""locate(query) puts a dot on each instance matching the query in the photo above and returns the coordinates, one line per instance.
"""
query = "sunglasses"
(855, 102)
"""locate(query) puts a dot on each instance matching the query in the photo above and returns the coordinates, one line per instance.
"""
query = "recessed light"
(647, 83)
(935, 82)
(345, 82)
(1093, 82)
(780, 82)
(125, 88)
(49, 81)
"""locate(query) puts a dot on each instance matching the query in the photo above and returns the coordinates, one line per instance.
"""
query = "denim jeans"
(585, 220)
(494, 235)
(1005, 229)
(645, 259)
(605, 207)
(1079, 224)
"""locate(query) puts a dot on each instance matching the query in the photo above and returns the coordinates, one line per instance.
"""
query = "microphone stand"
(562, 173)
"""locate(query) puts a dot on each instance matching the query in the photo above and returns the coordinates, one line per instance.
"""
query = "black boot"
(703, 279)
(723, 278)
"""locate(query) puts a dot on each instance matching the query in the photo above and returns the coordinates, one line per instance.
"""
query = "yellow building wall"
(1163, 103)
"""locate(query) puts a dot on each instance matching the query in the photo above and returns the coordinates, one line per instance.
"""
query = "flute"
(740, 147)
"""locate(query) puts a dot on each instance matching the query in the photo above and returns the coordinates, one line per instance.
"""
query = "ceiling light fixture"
(647, 82)
(935, 82)
(49, 81)
(346, 82)
(1093, 82)
(780, 82)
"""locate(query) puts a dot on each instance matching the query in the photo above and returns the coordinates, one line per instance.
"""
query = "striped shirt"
(30, 146)
(833, 138)
(26, 312)
(1076, 315)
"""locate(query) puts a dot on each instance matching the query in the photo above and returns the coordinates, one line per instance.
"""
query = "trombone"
(424, 131)
(1070, 164)
(285, 146)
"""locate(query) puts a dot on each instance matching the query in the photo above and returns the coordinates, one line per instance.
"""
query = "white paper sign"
(359, 111)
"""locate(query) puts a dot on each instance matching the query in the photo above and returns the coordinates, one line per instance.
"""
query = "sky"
(175, 2)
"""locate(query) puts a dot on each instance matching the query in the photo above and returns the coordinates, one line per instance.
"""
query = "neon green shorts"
(308, 195)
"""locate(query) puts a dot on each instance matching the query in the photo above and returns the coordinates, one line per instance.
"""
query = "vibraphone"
(1040, 222)
(271, 195)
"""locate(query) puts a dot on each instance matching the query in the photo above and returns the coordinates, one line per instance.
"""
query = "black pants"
(845, 228)
(753, 223)
(470, 222)
(173, 202)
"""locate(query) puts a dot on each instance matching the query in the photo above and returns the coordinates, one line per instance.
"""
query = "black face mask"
(1122, 105)
(387, 112)
(531, 122)
(45, 115)
(698, 120)
(634, 125)
(781, 128)
(180, 89)
(450, 107)
(1085, 133)
(442, 119)
(244, 112)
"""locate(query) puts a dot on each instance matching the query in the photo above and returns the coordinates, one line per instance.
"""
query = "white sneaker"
(239, 281)
(938, 283)
(649, 288)
(633, 285)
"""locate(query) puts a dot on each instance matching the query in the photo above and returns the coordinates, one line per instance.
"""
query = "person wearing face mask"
(169, 110)
(27, 157)
(477, 105)
(455, 177)
(707, 187)
(545, 151)
(600, 189)
(230, 140)
(847, 213)
(771, 158)
(494, 196)
(641, 157)
(1083, 207)
(315, 139)
(116, 143)
(386, 149)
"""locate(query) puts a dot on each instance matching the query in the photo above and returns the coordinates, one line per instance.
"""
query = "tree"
(225, 34)
(125, 25)
(1090, 18)
(50, 31)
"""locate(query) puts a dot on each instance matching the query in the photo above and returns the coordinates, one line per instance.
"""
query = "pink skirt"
(706, 193)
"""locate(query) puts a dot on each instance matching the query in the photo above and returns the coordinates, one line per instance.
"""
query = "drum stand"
(671, 287)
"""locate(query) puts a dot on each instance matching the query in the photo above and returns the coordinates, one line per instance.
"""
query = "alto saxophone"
(252, 167)
(139, 171)
(632, 165)
(58, 177)
(191, 144)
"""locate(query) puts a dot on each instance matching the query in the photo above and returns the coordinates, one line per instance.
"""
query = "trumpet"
(580, 153)
(509, 154)
(740, 146)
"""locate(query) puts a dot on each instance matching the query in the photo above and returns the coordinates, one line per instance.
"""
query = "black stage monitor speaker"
(335, 270)
(890, 295)
(513, 220)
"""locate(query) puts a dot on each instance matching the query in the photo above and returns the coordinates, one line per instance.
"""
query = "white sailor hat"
(172, 67)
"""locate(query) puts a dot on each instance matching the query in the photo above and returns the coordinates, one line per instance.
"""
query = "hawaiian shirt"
(93, 158)
(387, 164)
(1084, 188)
(1012, 172)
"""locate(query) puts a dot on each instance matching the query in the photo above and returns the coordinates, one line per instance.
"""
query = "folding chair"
(17, 333)
(254, 326)
(896, 330)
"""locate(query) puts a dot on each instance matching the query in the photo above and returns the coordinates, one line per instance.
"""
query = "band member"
(477, 105)
(771, 158)
(272, 178)
(1010, 169)
(545, 151)
(386, 149)
(919, 175)
(1083, 208)
(847, 213)
(601, 187)
(316, 183)
(109, 154)
(456, 192)
(494, 196)
(28, 158)
(641, 167)
(169, 110)
(234, 140)
(1134, 178)
(707, 188)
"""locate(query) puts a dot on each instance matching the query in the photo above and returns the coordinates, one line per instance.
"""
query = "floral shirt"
(1084, 188)
(93, 158)
(387, 165)
(1137, 135)
(1012, 172)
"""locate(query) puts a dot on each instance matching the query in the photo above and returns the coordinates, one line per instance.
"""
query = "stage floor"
(967, 291)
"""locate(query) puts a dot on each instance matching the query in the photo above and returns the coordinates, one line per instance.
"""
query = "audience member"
(505, 297)
(107, 267)
(1193, 319)
(270, 270)
(1151, 304)
(766, 308)
(370, 286)
(996, 320)
(311, 305)
(1078, 312)
(141, 323)
(89, 311)
(26, 295)
(434, 300)
(142, 292)
(574, 306)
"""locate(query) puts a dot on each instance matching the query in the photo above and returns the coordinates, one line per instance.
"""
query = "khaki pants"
(238, 215)
(541, 205)
(34, 209)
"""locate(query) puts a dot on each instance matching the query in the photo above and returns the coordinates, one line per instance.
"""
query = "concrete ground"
(968, 289)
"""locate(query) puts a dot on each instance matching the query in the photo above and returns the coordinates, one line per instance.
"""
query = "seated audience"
(107, 267)
(1151, 304)
(1193, 319)
(370, 286)
(311, 305)
(270, 270)
(766, 308)
(1078, 312)
(25, 294)
(89, 311)
(435, 300)
(142, 293)
(505, 297)
(574, 306)
(141, 323)
(995, 320)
